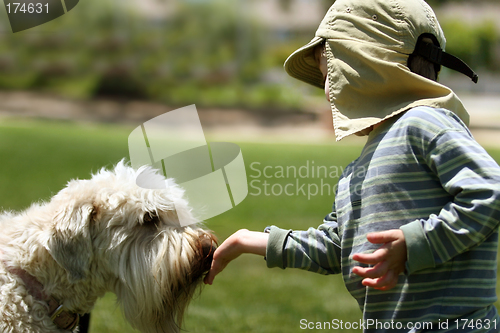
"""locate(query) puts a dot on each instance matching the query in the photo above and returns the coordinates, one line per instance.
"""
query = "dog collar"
(62, 318)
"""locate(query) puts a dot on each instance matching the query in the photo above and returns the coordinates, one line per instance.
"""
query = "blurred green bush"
(476, 44)
(208, 53)
(205, 52)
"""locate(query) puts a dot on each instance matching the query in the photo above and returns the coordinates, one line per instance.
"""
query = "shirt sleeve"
(472, 178)
(315, 250)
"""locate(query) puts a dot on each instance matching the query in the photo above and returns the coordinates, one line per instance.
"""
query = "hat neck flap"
(369, 80)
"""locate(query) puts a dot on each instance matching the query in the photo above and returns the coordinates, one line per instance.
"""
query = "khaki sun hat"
(302, 64)
(367, 47)
(395, 25)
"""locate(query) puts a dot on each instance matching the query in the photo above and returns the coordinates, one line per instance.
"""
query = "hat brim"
(302, 65)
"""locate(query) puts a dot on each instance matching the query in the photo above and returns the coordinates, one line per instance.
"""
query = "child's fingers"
(222, 256)
(385, 282)
(383, 236)
(377, 271)
(214, 270)
(371, 258)
(209, 278)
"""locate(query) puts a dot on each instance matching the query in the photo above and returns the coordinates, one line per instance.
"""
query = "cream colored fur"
(102, 235)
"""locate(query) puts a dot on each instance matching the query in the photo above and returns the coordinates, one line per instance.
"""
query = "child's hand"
(388, 261)
(242, 241)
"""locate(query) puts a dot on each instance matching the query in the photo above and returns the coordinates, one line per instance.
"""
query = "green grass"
(39, 157)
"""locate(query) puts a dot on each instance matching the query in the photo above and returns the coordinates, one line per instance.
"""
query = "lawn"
(39, 157)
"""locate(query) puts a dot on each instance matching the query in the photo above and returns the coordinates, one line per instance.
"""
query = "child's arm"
(284, 248)
(472, 178)
(314, 250)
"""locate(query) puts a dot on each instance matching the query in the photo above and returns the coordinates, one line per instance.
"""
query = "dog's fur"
(99, 235)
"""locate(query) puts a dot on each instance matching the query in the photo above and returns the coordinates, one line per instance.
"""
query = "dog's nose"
(208, 247)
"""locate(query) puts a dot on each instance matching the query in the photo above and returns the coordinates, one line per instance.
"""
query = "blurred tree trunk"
(327, 4)
(285, 5)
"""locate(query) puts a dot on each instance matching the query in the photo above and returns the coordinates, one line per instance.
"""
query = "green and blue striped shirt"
(421, 172)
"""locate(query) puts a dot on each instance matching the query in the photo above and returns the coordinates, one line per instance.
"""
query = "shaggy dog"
(99, 235)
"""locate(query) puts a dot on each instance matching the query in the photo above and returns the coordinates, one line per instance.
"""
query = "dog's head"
(112, 234)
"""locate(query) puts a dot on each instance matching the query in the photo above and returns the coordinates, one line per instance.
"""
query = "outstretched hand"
(388, 261)
(242, 241)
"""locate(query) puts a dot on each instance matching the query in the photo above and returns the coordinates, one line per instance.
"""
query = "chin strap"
(435, 54)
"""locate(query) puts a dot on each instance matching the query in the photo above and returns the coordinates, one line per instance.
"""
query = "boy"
(414, 227)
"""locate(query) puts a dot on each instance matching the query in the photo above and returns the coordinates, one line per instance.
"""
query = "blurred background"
(218, 54)
(73, 89)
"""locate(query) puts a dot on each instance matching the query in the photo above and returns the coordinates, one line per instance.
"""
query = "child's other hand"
(388, 261)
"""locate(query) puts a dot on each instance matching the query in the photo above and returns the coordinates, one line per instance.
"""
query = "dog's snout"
(208, 248)
(207, 244)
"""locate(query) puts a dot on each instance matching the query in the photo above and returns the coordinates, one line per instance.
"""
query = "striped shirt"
(423, 173)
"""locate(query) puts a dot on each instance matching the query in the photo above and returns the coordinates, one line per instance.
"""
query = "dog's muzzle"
(207, 247)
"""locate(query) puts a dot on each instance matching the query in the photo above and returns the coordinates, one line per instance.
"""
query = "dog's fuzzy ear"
(69, 242)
